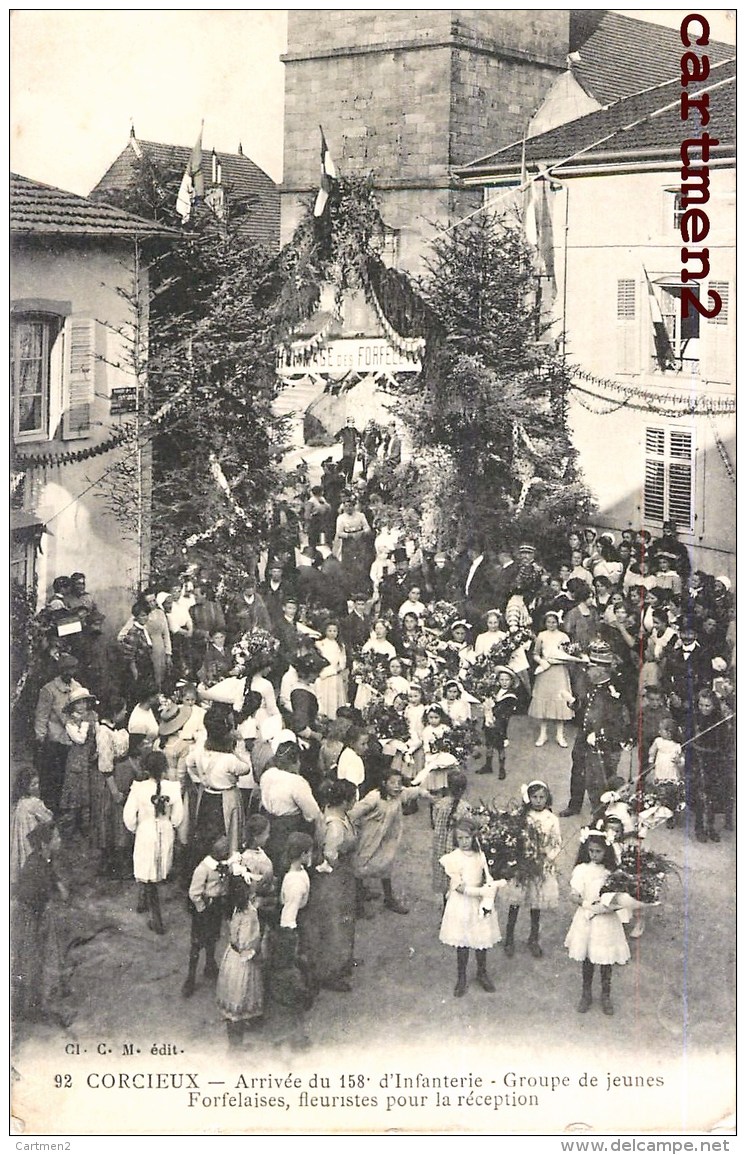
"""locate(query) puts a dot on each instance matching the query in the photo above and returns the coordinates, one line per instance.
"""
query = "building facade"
(75, 391)
(404, 96)
(653, 407)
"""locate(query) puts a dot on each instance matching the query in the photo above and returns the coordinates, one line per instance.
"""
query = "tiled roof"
(620, 55)
(41, 209)
(659, 132)
(245, 184)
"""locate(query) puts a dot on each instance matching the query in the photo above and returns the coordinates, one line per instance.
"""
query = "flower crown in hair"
(526, 788)
(587, 833)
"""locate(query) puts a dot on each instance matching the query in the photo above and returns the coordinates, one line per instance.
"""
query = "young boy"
(207, 892)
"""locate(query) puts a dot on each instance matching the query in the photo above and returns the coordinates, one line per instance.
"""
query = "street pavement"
(674, 1000)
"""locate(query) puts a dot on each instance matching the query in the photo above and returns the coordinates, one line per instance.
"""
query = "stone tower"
(406, 95)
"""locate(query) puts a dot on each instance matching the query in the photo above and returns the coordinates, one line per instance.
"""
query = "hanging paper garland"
(659, 402)
(723, 451)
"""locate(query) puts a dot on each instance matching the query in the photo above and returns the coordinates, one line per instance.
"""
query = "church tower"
(406, 95)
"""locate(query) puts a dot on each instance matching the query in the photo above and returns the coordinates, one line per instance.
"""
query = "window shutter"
(627, 335)
(718, 351)
(79, 376)
(680, 477)
(669, 476)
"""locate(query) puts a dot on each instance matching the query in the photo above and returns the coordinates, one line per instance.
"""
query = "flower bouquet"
(441, 616)
(255, 648)
(672, 795)
(386, 722)
(503, 650)
(371, 670)
(638, 880)
(572, 650)
(480, 677)
(460, 741)
(511, 844)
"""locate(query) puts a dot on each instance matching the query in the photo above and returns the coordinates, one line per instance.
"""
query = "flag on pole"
(546, 241)
(528, 204)
(192, 188)
(664, 353)
(327, 178)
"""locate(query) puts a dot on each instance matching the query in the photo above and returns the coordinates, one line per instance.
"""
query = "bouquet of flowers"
(386, 722)
(254, 648)
(503, 651)
(572, 649)
(511, 844)
(372, 670)
(480, 677)
(640, 875)
(672, 795)
(459, 741)
(441, 616)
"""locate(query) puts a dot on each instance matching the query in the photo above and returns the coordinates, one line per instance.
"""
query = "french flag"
(328, 176)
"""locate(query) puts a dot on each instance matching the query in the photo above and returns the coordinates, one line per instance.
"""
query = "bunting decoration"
(650, 400)
(722, 451)
(409, 347)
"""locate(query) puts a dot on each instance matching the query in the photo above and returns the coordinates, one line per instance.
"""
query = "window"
(674, 210)
(669, 476)
(683, 332)
(52, 375)
(32, 339)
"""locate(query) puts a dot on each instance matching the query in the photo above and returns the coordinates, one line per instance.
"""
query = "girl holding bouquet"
(552, 694)
(469, 919)
(437, 764)
(543, 894)
(596, 936)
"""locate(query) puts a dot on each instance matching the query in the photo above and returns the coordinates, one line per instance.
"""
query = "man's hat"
(79, 695)
(526, 547)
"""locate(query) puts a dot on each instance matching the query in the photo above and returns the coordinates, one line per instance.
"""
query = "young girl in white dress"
(544, 894)
(455, 704)
(434, 774)
(596, 936)
(469, 919)
(331, 685)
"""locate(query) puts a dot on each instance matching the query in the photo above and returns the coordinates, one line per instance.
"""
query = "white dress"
(469, 919)
(330, 687)
(544, 894)
(154, 837)
(600, 939)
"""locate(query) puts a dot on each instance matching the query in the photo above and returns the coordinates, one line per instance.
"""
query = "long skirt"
(328, 928)
(108, 831)
(280, 829)
(37, 960)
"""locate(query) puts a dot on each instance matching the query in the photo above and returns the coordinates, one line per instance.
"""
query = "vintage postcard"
(373, 575)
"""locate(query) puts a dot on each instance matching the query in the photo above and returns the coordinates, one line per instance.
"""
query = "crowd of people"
(264, 748)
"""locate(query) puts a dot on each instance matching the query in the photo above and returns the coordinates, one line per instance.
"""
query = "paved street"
(674, 1000)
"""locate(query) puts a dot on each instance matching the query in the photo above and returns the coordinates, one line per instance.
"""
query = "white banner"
(362, 354)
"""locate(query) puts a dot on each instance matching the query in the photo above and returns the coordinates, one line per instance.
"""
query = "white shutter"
(655, 475)
(627, 331)
(78, 384)
(681, 447)
(718, 334)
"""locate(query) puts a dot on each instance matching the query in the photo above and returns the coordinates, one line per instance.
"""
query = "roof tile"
(244, 182)
(37, 209)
